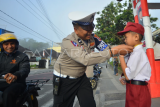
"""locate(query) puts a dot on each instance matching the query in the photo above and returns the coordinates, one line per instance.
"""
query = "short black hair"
(75, 25)
(140, 36)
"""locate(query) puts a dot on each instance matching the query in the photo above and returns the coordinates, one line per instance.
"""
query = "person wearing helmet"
(15, 67)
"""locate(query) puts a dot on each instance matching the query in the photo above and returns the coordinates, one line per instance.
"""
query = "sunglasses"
(87, 27)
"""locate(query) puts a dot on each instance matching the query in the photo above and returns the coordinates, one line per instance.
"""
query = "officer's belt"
(62, 75)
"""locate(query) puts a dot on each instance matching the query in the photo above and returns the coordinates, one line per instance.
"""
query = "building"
(28, 52)
(46, 53)
(56, 48)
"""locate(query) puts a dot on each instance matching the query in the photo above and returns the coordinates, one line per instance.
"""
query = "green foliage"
(113, 19)
(111, 63)
(33, 66)
(33, 44)
(156, 38)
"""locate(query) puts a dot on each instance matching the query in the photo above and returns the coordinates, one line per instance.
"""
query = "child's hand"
(122, 80)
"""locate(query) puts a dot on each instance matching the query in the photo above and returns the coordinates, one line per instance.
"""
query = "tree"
(113, 19)
(156, 38)
(33, 44)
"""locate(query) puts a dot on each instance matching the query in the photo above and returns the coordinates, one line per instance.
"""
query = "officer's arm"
(24, 68)
(80, 55)
(100, 44)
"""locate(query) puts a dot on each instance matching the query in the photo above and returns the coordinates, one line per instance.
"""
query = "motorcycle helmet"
(6, 37)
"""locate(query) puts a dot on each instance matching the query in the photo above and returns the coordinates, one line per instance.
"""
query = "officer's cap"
(81, 18)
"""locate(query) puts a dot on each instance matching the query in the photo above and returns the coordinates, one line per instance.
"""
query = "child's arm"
(123, 65)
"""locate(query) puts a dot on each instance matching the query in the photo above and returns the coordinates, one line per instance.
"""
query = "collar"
(80, 40)
(138, 44)
(10, 54)
(137, 47)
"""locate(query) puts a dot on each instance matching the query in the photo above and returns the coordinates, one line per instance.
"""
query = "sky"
(26, 18)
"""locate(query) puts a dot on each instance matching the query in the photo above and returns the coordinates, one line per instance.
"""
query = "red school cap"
(134, 27)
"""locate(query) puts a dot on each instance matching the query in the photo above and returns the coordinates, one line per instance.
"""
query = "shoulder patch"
(95, 36)
(74, 43)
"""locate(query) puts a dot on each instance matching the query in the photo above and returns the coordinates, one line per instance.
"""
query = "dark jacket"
(17, 64)
(115, 63)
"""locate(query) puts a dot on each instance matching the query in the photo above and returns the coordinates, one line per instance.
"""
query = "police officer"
(15, 66)
(69, 78)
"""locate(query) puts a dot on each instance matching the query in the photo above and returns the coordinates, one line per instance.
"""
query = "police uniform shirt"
(76, 55)
(138, 66)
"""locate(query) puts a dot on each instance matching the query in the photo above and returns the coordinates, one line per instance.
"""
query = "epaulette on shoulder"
(96, 37)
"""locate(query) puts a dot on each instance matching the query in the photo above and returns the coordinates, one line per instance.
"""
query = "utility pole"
(51, 54)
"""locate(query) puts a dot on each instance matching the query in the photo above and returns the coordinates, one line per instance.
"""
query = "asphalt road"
(45, 98)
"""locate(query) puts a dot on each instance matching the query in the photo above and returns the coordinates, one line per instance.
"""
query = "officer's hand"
(123, 81)
(10, 78)
(122, 49)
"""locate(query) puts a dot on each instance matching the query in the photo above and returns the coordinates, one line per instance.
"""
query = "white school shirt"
(138, 66)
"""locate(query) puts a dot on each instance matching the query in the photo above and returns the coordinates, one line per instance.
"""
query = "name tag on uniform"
(102, 46)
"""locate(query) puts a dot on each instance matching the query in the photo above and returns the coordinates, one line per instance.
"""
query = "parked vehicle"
(96, 74)
(93, 82)
(97, 69)
(29, 97)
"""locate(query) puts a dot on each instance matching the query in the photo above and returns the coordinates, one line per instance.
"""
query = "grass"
(111, 63)
(33, 66)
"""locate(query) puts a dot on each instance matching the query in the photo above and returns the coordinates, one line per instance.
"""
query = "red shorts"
(137, 96)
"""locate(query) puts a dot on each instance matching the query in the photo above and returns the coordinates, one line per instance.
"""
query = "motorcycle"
(95, 78)
(28, 97)
(93, 82)
(97, 70)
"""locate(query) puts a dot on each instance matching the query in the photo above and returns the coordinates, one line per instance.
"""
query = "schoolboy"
(136, 68)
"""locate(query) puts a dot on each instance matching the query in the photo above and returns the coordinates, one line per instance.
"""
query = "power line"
(46, 15)
(38, 15)
(21, 28)
(41, 17)
(33, 9)
(33, 14)
(36, 7)
(25, 26)
(52, 22)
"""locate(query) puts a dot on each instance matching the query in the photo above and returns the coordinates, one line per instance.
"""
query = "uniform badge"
(13, 62)
(82, 47)
(74, 43)
(92, 44)
(79, 40)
